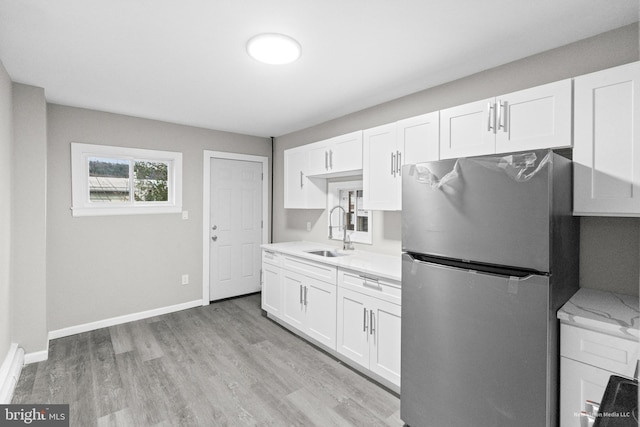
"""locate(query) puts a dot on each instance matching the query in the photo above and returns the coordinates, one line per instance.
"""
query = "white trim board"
(37, 356)
(92, 326)
(206, 202)
(10, 372)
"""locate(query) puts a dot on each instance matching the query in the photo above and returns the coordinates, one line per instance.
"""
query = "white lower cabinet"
(580, 382)
(356, 317)
(368, 326)
(309, 305)
(271, 282)
(588, 359)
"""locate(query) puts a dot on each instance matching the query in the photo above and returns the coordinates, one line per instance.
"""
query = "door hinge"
(262, 176)
(262, 224)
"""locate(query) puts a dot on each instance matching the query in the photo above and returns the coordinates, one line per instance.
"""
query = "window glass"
(150, 181)
(108, 180)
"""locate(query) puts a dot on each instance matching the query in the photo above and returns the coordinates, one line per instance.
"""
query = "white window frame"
(83, 206)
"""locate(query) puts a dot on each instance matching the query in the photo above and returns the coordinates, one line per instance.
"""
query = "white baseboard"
(10, 372)
(37, 356)
(72, 330)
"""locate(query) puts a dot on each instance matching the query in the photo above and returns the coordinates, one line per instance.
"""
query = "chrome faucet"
(346, 240)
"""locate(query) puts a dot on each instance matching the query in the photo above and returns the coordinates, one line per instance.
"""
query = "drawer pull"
(371, 282)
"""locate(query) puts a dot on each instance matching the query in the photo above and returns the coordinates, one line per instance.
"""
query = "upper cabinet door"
(380, 176)
(468, 130)
(345, 153)
(606, 151)
(301, 192)
(318, 153)
(534, 118)
(419, 138)
(295, 161)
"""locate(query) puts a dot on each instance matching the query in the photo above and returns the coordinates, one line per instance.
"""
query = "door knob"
(214, 238)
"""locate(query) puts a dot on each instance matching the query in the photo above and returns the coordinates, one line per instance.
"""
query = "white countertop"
(609, 312)
(383, 266)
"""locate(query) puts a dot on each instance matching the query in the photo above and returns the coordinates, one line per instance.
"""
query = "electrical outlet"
(308, 226)
(185, 279)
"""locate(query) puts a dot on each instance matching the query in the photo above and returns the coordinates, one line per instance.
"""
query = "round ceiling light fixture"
(273, 48)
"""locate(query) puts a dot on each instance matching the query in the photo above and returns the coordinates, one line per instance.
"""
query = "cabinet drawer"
(273, 258)
(318, 271)
(370, 285)
(614, 354)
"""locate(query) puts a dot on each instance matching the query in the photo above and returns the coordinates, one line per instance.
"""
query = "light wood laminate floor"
(220, 365)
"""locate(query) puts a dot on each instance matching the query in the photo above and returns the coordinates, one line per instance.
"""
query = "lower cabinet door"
(579, 382)
(293, 299)
(271, 290)
(353, 326)
(384, 340)
(320, 306)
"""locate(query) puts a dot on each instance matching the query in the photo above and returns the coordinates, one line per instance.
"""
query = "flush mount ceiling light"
(273, 48)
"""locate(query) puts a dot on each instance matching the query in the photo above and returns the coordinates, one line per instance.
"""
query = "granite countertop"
(608, 312)
(384, 266)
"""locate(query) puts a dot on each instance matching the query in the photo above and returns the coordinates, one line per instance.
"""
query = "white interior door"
(235, 228)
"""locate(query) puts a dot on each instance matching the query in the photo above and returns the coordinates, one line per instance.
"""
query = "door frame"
(206, 206)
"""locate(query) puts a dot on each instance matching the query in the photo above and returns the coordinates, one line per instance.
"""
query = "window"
(348, 194)
(120, 181)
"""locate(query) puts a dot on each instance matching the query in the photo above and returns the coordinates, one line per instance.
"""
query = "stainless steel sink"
(328, 254)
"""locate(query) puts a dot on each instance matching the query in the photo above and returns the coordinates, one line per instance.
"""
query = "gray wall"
(603, 51)
(28, 225)
(6, 137)
(103, 267)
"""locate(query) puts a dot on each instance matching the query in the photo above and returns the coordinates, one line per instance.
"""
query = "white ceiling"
(184, 61)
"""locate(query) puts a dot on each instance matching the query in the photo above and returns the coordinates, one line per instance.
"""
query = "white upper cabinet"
(539, 117)
(467, 130)
(300, 191)
(534, 118)
(387, 148)
(606, 150)
(419, 138)
(380, 168)
(318, 153)
(335, 157)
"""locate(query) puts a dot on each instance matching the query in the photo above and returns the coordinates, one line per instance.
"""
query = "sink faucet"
(346, 240)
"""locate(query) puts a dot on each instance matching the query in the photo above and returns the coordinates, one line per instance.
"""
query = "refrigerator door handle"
(364, 321)
(514, 275)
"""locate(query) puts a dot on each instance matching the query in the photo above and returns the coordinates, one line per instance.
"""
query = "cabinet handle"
(491, 123)
(364, 321)
(326, 161)
(300, 294)
(502, 116)
(301, 179)
(372, 319)
(399, 167)
(331, 159)
(305, 296)
(391, 163)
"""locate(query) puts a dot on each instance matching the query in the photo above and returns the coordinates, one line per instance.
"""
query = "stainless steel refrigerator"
(490, 252)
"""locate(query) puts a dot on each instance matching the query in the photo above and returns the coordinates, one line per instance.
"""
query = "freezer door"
(474, 348)
(484, 212)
